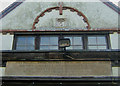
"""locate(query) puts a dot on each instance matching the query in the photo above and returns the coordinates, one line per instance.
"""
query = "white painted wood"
(114, 41)
(116, 71)
(2, 71)
(6, 42)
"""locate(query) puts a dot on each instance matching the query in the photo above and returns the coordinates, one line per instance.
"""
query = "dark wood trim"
(108, 41)
(85, 42)
(77, 55)
(72, 79)
(37, 42)
(14, 42)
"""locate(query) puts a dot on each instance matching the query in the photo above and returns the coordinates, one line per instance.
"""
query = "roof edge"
(111, 5)
(10, 8)
(18, 2)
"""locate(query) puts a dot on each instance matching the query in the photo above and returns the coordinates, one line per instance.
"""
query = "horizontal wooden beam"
(60, 55)
(82, 79)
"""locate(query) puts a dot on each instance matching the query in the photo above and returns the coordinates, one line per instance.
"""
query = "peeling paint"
(98, 14)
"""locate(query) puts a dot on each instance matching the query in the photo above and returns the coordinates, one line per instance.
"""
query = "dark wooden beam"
(59, 55)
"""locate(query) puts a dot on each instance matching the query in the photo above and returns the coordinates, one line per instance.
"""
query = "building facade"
(30, 50)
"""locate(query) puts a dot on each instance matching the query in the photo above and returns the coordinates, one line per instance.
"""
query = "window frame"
(47, 36)
(61, 36)
(76, 45)
(15, 41)
(108, 46)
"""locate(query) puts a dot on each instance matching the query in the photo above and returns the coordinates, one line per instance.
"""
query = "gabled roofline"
(10, 8)
(18, 2)
(111, 5)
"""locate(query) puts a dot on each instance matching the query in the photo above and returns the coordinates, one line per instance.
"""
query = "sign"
(58, 68)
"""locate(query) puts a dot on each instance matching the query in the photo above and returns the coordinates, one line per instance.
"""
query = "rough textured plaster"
(98, 14)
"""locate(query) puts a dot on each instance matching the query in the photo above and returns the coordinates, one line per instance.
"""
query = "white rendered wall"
(114, 39)
(99, 15)
(6, 41)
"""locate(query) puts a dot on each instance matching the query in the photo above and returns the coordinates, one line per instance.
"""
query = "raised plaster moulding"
(60, 23)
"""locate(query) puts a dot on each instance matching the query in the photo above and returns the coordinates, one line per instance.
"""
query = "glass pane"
(25, 43)
(102, 47)
(44, 47)
(20, 48)
(44, 41)
(30, 40)
(92, 47)
(29, 47)
(101, 40)
(77, 40)
(77, 47)
(92, 41)
(69, 48)
(20, 40)
(53, 48)
(53, 40)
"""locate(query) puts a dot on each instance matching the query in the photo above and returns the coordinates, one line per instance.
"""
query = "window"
(25, 43)
(97, 42)
(76, 42)
(50, 42)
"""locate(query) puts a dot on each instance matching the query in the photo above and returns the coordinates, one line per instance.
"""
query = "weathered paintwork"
(58, 68)
(98, 14)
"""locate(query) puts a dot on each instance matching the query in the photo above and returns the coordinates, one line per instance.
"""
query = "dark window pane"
(48, 43)
(53, 40)
(20, 48)
(101, 40)
(97, 42)
(25, 43)
(101, 47)
(48, 47)
(69, 48)
(92, 41)
(53, 48)
(44, 47)
(44, 41)
(77, 40)
(92, 47)
(30, 41)
(23, 47)
(77, 47)
(20, 40)
(29, 47)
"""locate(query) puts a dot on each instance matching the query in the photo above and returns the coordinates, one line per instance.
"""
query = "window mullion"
(37, 42)
(85, 42)
(108, 41)
(60, 37)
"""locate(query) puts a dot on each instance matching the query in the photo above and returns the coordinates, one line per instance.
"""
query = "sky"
(6, 3)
